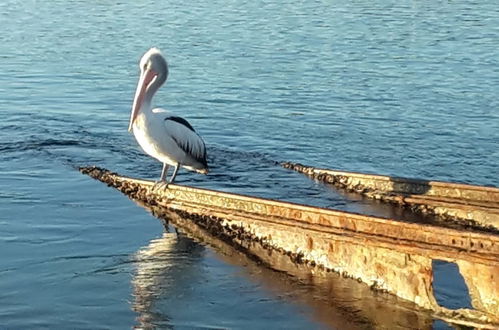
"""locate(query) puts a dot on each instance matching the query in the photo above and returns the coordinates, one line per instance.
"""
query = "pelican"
(162, 135)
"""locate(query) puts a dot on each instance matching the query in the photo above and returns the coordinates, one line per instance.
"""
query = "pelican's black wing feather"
(187, 139)
(181, 121)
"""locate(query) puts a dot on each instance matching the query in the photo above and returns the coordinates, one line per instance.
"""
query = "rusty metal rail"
(469, 205)
(343, 303)
(388, 255)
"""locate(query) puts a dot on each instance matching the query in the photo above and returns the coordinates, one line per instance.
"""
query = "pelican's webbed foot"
(160, 185)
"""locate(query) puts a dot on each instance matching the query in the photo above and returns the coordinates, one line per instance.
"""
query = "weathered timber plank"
(470, 205)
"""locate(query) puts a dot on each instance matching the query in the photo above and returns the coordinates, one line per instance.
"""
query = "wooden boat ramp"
(388, 255)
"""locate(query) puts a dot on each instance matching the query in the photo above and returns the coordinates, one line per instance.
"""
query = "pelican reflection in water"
(170, 269)
(161, 268)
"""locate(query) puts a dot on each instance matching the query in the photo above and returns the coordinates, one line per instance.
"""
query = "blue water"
(404, 88)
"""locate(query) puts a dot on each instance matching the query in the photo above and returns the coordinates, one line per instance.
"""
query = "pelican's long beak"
(145, 80)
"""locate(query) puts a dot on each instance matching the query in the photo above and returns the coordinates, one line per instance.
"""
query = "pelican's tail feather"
(203, 171)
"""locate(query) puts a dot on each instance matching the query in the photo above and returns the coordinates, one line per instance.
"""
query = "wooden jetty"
(388, 255)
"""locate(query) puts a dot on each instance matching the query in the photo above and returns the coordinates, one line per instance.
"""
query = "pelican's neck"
(146, 107)
(144, 116)
(150, 92)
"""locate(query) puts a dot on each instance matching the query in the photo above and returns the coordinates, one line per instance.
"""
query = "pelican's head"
(153, 74)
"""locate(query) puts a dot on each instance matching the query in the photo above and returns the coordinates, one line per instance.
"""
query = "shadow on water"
(364, 205)
(333, 301)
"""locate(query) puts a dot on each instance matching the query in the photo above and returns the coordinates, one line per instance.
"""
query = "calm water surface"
(405, 88)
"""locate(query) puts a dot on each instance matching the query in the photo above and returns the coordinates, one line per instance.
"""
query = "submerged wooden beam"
(388, 255)
(469, 205)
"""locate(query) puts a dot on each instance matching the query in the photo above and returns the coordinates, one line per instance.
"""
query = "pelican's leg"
(174, 173)
(162, 180)
(163, 172)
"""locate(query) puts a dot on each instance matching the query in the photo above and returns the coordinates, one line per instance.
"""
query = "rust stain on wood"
(388, 255)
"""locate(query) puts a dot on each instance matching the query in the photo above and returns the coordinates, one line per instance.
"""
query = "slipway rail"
(388, 255)
(469, 205)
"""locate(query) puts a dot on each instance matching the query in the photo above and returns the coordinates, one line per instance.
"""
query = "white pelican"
(162, 135)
